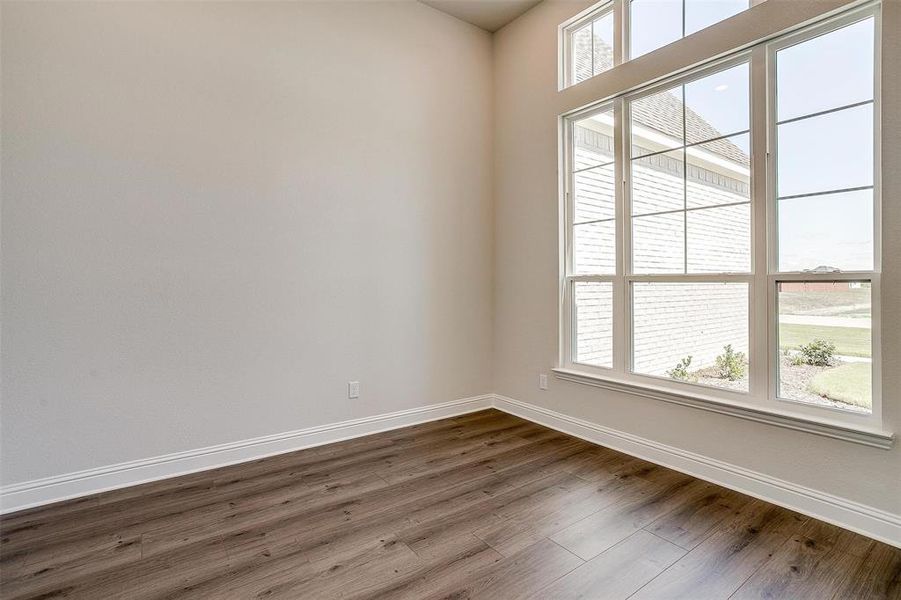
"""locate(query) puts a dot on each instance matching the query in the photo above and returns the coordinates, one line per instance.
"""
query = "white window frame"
(760, 402)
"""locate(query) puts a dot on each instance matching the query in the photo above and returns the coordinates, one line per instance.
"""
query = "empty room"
(451, 299)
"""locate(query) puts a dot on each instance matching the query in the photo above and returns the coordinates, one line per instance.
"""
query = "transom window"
(656, 23)
(596, 40)
(722, 232)
(589, 44)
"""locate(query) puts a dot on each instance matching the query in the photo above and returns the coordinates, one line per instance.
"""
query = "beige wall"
(216, 214)
(527, 104)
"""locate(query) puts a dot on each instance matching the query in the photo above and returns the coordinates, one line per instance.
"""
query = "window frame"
(763, 278)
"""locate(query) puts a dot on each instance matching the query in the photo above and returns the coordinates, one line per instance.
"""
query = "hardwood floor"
(484, 505)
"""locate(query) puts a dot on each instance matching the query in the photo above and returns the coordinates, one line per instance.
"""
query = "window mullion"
(591, 31)
(876, 341)
(877, 187)
(684, 168)
(762, 326)
(621, 349)
(566, 321)
(619, 31)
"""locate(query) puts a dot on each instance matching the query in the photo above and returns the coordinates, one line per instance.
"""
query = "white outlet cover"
(353, 389)
(542, 381)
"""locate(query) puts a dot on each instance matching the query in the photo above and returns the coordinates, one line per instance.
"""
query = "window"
(656, 23)
(591, 41)
(722, 233)
(589, 44)
(690, 213)
(825, 197)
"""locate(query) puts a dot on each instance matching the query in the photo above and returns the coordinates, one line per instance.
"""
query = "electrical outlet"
(353, 389)
(542, 381)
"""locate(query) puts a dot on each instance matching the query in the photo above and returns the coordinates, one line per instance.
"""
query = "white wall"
(527, 105)
(216, 214)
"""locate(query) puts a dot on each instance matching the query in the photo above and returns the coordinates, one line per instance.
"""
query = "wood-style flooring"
(484, 505)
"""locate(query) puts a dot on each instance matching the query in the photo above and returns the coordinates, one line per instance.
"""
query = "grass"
(851, 383)
(849, 341)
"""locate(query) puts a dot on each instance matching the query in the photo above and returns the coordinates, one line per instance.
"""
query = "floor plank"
(817, 562)
(512, 577)
(690, 524)
(878, 576)
(483, 505)
(636, 508)
(549, 515)
(618, 572)
(719, 565)
(469, 559)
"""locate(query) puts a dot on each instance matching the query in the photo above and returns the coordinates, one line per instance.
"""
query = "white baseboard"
(866, 520)
(851, 515)
(91, 481)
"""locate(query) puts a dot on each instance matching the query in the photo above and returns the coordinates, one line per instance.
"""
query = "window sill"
(841, 431)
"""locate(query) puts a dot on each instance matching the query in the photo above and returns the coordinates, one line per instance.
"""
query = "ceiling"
(490, 15)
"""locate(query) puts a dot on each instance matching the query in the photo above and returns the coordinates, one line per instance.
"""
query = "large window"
(722, 230)
(595, 41)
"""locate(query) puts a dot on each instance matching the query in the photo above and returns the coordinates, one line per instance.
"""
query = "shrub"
(818, 353)
(680, 371)
(730, 364)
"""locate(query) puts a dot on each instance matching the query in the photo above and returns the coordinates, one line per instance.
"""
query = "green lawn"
(851, 383)
(850, 341)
